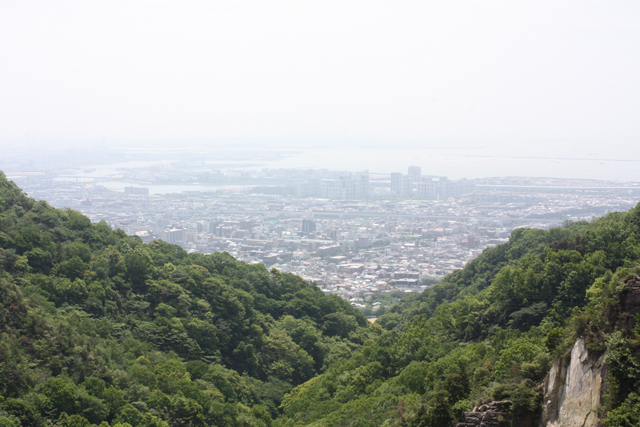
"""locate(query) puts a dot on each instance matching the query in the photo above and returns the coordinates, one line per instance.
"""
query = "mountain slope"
(490, 332)
(97, 327)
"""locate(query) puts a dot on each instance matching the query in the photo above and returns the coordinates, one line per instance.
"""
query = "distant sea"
(599, 162)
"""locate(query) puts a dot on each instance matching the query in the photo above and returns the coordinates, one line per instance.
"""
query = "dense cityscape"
(319, 214)
(355, 234)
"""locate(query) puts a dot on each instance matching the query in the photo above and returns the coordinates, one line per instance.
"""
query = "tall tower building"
(415, 173)
(308, 226)
(401, 184)
(362, 184)
(396, 182)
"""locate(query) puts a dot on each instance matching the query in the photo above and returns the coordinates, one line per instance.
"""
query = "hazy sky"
(426, 71)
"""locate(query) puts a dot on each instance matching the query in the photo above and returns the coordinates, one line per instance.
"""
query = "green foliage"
(435, 411)
(97, 328)
(625, 415)
(61, 393)
(490, 332)
(523, 357)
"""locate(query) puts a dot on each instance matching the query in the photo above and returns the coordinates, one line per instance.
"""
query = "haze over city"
(366, 146)
(521, 79)
(319, 213)
(462, 110)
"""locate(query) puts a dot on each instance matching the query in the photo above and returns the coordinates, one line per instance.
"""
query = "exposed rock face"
(631, 302)
(572, 390)
(494, 414)
(574, 386)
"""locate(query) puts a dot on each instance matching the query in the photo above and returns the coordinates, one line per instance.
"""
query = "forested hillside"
(491, 331)
(97, 327)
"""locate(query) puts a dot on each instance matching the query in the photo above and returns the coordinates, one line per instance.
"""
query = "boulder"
(494, 414)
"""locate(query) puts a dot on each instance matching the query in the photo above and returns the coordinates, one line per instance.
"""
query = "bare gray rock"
(572, 390)
(494, 414)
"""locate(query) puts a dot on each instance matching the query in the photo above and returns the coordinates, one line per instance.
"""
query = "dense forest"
(491, 331)
(98, 328)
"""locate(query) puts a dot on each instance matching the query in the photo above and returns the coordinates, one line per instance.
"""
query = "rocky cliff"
(572, 395)
(572, 389)
(494, 414)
